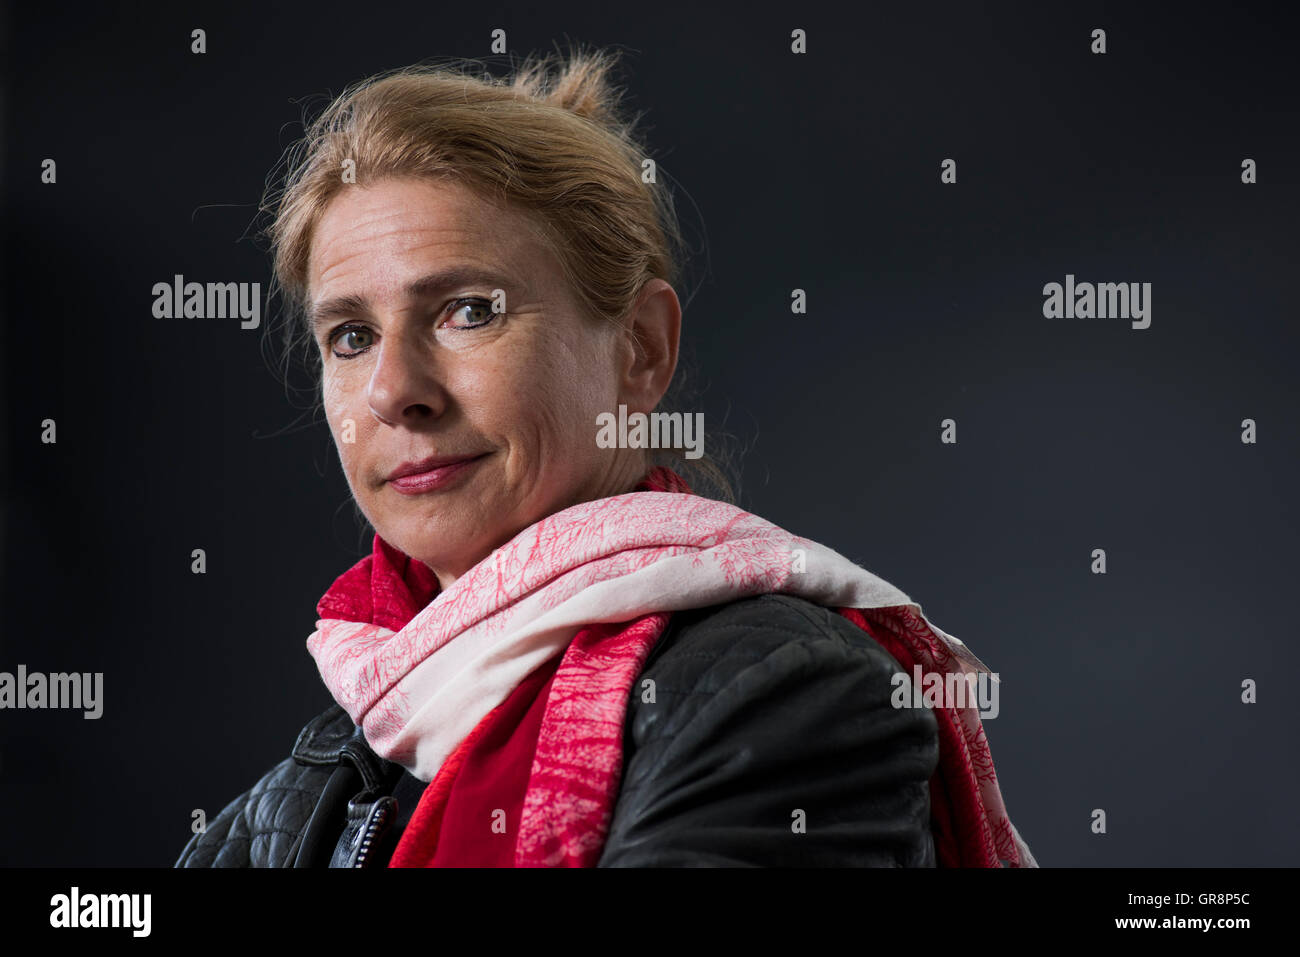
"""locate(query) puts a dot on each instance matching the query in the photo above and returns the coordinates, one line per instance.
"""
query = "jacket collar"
(331, 737)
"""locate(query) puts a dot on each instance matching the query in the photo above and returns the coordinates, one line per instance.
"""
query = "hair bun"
(580, 84)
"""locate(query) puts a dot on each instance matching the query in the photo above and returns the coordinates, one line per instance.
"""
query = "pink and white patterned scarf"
(419, 690)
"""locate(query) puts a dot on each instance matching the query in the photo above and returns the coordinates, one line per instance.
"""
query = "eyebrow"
(338, 307)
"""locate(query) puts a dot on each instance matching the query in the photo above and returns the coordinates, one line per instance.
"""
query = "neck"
(624, 476)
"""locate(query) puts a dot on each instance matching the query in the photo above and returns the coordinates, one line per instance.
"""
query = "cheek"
(560, 394)
(341, 415)
(580, 371)
(334, 405)
(579, 392)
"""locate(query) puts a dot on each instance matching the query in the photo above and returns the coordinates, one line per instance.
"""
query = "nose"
(405, 386)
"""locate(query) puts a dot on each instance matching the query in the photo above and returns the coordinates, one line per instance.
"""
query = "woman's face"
(418, 366)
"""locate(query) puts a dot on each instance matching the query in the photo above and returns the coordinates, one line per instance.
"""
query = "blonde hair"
(551, 141)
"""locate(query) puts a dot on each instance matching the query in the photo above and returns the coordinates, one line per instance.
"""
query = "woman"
(557, 654)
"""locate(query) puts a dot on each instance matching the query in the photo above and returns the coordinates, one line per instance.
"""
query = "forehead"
(384, 234)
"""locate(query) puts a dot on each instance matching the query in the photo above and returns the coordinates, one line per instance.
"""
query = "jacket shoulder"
(768, 738)
(263, 826)
(751, 627)
(753, 639)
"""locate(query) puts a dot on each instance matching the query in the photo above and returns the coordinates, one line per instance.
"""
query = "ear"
(651, 334)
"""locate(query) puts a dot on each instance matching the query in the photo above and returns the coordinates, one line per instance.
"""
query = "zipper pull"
(367, 823)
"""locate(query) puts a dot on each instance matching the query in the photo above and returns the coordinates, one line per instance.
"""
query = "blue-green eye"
(479, 311)
(345, 333)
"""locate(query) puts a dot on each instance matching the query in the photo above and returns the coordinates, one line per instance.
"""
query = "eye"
(479, 311)
(355, 338)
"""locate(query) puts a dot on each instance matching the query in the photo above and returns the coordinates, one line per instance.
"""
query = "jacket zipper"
(376, 824)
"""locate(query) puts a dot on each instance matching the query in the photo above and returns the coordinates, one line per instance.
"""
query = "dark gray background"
(820, 171)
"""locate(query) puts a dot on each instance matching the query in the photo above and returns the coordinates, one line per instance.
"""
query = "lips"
(431, 474)
(430, 464)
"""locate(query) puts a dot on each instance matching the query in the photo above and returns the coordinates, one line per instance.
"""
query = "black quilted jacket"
(763, 707)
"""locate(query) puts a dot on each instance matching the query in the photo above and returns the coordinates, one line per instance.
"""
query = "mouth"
(426, 475)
